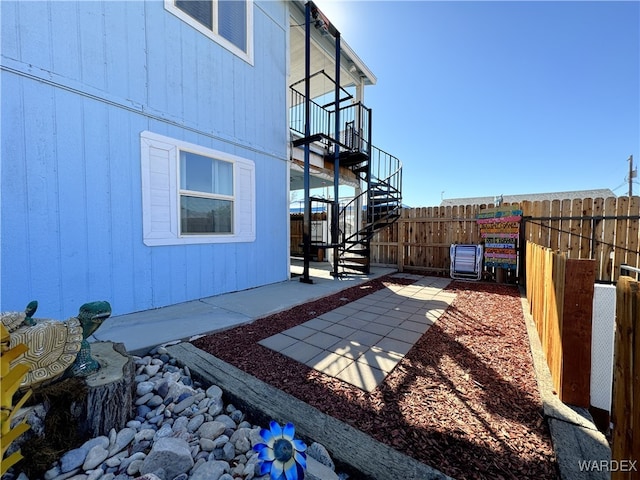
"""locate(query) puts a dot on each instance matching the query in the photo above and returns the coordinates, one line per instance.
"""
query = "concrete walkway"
(141, 331)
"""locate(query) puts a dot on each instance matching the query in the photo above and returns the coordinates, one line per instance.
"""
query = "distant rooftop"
(532, 197)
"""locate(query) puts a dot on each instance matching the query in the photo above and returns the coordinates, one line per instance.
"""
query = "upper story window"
(227, 22)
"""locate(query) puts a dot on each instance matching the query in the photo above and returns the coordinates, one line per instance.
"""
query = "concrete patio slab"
(362, 375)
(363, 347)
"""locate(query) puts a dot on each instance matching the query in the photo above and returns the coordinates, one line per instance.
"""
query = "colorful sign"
(500, 229)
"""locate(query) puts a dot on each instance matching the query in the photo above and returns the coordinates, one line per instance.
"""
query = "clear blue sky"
(488, 98)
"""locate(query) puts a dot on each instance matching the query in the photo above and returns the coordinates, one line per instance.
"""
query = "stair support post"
(335, 217)
(306, 224)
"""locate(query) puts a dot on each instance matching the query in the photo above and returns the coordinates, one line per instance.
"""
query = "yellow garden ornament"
(11, 379)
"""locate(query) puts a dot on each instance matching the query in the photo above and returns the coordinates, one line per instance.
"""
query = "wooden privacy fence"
(421, 237)
(560, 295)
(626, 379)
(605, 230)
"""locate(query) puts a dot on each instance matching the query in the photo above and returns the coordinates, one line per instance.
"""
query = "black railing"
(320, 117)
(375, 206)
(388, 169)
(355, 134)
(355, 119)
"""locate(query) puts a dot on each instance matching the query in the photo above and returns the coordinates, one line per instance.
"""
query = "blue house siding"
(80, 82)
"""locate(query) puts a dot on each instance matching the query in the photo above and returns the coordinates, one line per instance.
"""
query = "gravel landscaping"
(464, 399)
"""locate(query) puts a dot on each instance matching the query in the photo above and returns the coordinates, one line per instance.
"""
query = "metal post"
(336, 165)
(306, 224)
(369, 199)
(631, 176)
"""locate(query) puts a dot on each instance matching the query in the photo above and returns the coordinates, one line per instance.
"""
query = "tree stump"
(110, 391)
(70, 411)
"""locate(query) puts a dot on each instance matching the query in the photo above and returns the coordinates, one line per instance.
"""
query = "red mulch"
(464, 400)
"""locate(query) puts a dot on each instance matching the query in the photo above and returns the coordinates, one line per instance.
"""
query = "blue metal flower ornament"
(281, 455)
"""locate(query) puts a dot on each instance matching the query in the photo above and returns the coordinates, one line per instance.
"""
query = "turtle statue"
(56, 348)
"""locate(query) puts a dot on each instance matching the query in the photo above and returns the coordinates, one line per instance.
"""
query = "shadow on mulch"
(464, 399)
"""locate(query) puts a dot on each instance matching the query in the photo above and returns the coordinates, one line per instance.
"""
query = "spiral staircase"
(379, 173)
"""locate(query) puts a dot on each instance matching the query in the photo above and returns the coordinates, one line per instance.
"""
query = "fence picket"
(619, 254)
(554, 229)
(575, 222)
(597, 233)
(586, 228)
(633, 233)
(607, 272)
(565, 225)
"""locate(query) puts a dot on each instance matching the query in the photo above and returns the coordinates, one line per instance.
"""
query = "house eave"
(355, 71)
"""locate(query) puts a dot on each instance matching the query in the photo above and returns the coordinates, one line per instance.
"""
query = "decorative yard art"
(281, 455)
(500, 230)
(55, 349)
(11, 378)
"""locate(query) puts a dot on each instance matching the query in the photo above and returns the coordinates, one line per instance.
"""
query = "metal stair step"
(358, 260)
(362, 252)
(356, 268)
(350, 158)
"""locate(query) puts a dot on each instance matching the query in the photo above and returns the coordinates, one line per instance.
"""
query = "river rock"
(207, 445)
(210, 471)
(162, 388)
(144, 388)
(155, 401)
(123, 438)
(184, 404)
(212, 430)
(95, 457)
(241, 440)
(318, 471)
(215, 407)
(172, 455)
(320, 454)
(144, 398)
(148, 476)
(228, 451)
(227, 420)
(73, 459)
(144, 434)
(195, 423)
(95, 474)
(151, 370)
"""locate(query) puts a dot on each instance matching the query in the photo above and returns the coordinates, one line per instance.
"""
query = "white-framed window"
(193, 194)
(227, 22)
(206, 194)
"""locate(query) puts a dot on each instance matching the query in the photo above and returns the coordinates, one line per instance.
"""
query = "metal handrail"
(357, 116)
(320, 117)
(391, 184)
